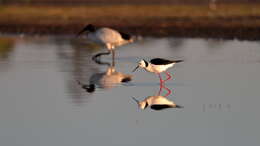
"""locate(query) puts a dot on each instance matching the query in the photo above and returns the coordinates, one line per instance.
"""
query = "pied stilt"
(158, 65)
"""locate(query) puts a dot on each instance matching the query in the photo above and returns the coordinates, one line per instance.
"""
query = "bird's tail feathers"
(179, 106)
(178, 61)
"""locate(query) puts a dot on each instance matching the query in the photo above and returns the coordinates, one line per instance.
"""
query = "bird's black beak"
(135, 69)
(135, 100)
(88, 28)
(83, 30)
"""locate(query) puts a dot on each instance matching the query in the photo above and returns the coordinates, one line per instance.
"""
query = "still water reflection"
(157, 102)
(42, 104)
(105, 80)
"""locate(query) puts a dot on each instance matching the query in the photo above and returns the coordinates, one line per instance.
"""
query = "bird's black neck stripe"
(90, 28)
(146, 63)
(146, 105)
(125, 36)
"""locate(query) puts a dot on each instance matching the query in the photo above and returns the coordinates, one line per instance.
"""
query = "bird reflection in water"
(105, 80)
(157, 102)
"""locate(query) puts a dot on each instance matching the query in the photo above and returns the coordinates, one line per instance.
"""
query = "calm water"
(41, 103)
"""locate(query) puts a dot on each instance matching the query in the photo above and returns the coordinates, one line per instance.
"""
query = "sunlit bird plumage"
(105, 80)
(107, 37)
(158, 65)
(156, 103)
(110, 78)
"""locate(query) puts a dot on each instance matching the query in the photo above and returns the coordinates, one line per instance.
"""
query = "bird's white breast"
(161, 68)
(152, 100)
(107, 35)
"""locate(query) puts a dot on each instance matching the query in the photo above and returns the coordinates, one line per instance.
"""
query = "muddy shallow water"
(41, 102)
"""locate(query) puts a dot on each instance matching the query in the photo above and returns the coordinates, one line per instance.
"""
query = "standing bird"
(156, 103)
(107, 37)
(158, 65)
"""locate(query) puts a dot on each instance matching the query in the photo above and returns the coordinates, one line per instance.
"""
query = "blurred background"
(192, 18)
(123, 1)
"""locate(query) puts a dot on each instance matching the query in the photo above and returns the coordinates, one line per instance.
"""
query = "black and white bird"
(156, 103)
(107, 37)
(158, 65)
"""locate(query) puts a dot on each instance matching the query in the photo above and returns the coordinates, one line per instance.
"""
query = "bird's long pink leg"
(169, 91)
(169, 76)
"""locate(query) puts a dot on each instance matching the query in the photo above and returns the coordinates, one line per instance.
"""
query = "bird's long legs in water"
(169, 91)
(168, 76)
(162, 84)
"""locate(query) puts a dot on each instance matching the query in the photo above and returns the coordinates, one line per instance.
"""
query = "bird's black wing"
(160, 106)
(161, 61)
(125, 36)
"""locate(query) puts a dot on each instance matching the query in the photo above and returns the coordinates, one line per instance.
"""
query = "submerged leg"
(160, 84)
(113, 58)
(160, 90)
(161, 80)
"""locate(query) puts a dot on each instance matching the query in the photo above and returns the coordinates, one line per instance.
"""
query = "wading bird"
(158, 65)
(107, 37)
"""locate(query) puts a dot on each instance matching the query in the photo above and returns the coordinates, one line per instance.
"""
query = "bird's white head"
(142, 63)
(142, 104)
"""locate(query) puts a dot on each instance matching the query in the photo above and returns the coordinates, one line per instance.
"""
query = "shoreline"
(227, 22)
(241, 33)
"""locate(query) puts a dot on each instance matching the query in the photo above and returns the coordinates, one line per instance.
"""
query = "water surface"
(42, 104)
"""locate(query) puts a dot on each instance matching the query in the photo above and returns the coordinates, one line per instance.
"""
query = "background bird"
(158, 65)
(107, 37)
